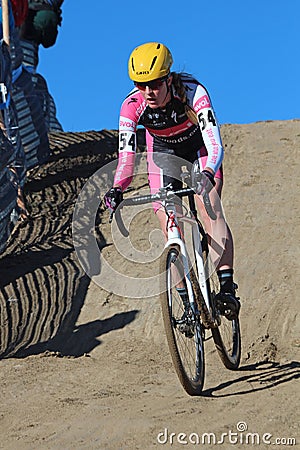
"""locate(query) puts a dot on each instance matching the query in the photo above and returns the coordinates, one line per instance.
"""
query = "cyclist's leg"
(219, 234)
(164, 168)
(220, 241)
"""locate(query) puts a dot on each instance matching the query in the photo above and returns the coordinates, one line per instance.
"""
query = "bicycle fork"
(175, 238)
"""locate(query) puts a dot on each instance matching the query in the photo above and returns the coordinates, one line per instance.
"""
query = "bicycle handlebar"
(163, 194)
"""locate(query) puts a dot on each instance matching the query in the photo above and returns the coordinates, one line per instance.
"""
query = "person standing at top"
(41, 28)
(177, 113)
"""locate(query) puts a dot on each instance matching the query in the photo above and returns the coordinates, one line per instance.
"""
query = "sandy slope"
(85, 368)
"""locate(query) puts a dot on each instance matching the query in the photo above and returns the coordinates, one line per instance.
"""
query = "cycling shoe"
(228, 305)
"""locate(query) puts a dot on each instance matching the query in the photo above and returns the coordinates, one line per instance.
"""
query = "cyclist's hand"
(113, 198)
(205, 183)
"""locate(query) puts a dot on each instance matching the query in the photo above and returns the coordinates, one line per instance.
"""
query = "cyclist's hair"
(180, 90)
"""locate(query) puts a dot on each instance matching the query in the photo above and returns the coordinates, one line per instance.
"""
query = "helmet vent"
(132, 64)
(153, 62)
(158, 46)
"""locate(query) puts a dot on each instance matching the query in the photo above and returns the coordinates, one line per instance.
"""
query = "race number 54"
(127, 140)
(203, 120)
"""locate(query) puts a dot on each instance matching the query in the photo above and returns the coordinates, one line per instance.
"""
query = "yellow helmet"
(149, 62)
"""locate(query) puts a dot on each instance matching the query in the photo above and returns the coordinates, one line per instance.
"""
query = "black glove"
(205, 183)
(113, 198)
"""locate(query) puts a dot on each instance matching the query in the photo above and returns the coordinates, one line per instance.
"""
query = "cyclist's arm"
(129, 116)
(209, 128)
(126, 159)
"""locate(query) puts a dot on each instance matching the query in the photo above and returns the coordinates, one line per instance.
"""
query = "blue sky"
(245, 53)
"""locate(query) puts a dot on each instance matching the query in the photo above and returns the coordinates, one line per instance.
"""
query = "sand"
(86, 368)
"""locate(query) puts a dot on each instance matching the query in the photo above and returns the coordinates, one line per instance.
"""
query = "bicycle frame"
(186, 320)
(175, 238)
(174, 235)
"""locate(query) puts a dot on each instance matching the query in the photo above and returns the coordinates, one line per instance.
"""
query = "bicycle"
(186, 324)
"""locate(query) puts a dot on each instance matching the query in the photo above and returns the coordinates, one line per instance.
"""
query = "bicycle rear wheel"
(182, 325)
(227, 335)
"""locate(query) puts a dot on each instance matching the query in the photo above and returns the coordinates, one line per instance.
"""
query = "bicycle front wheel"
(182, 325)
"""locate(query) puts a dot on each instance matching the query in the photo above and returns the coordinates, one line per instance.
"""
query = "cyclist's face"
(157, 95)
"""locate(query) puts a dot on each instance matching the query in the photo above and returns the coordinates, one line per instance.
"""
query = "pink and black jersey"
(169, 129)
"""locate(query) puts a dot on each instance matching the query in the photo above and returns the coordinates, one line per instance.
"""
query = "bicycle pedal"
(185, 329)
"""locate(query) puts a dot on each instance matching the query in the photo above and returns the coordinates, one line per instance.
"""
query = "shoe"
(228, 304)
(185, 325)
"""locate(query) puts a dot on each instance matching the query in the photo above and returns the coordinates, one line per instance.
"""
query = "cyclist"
(177, 113)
